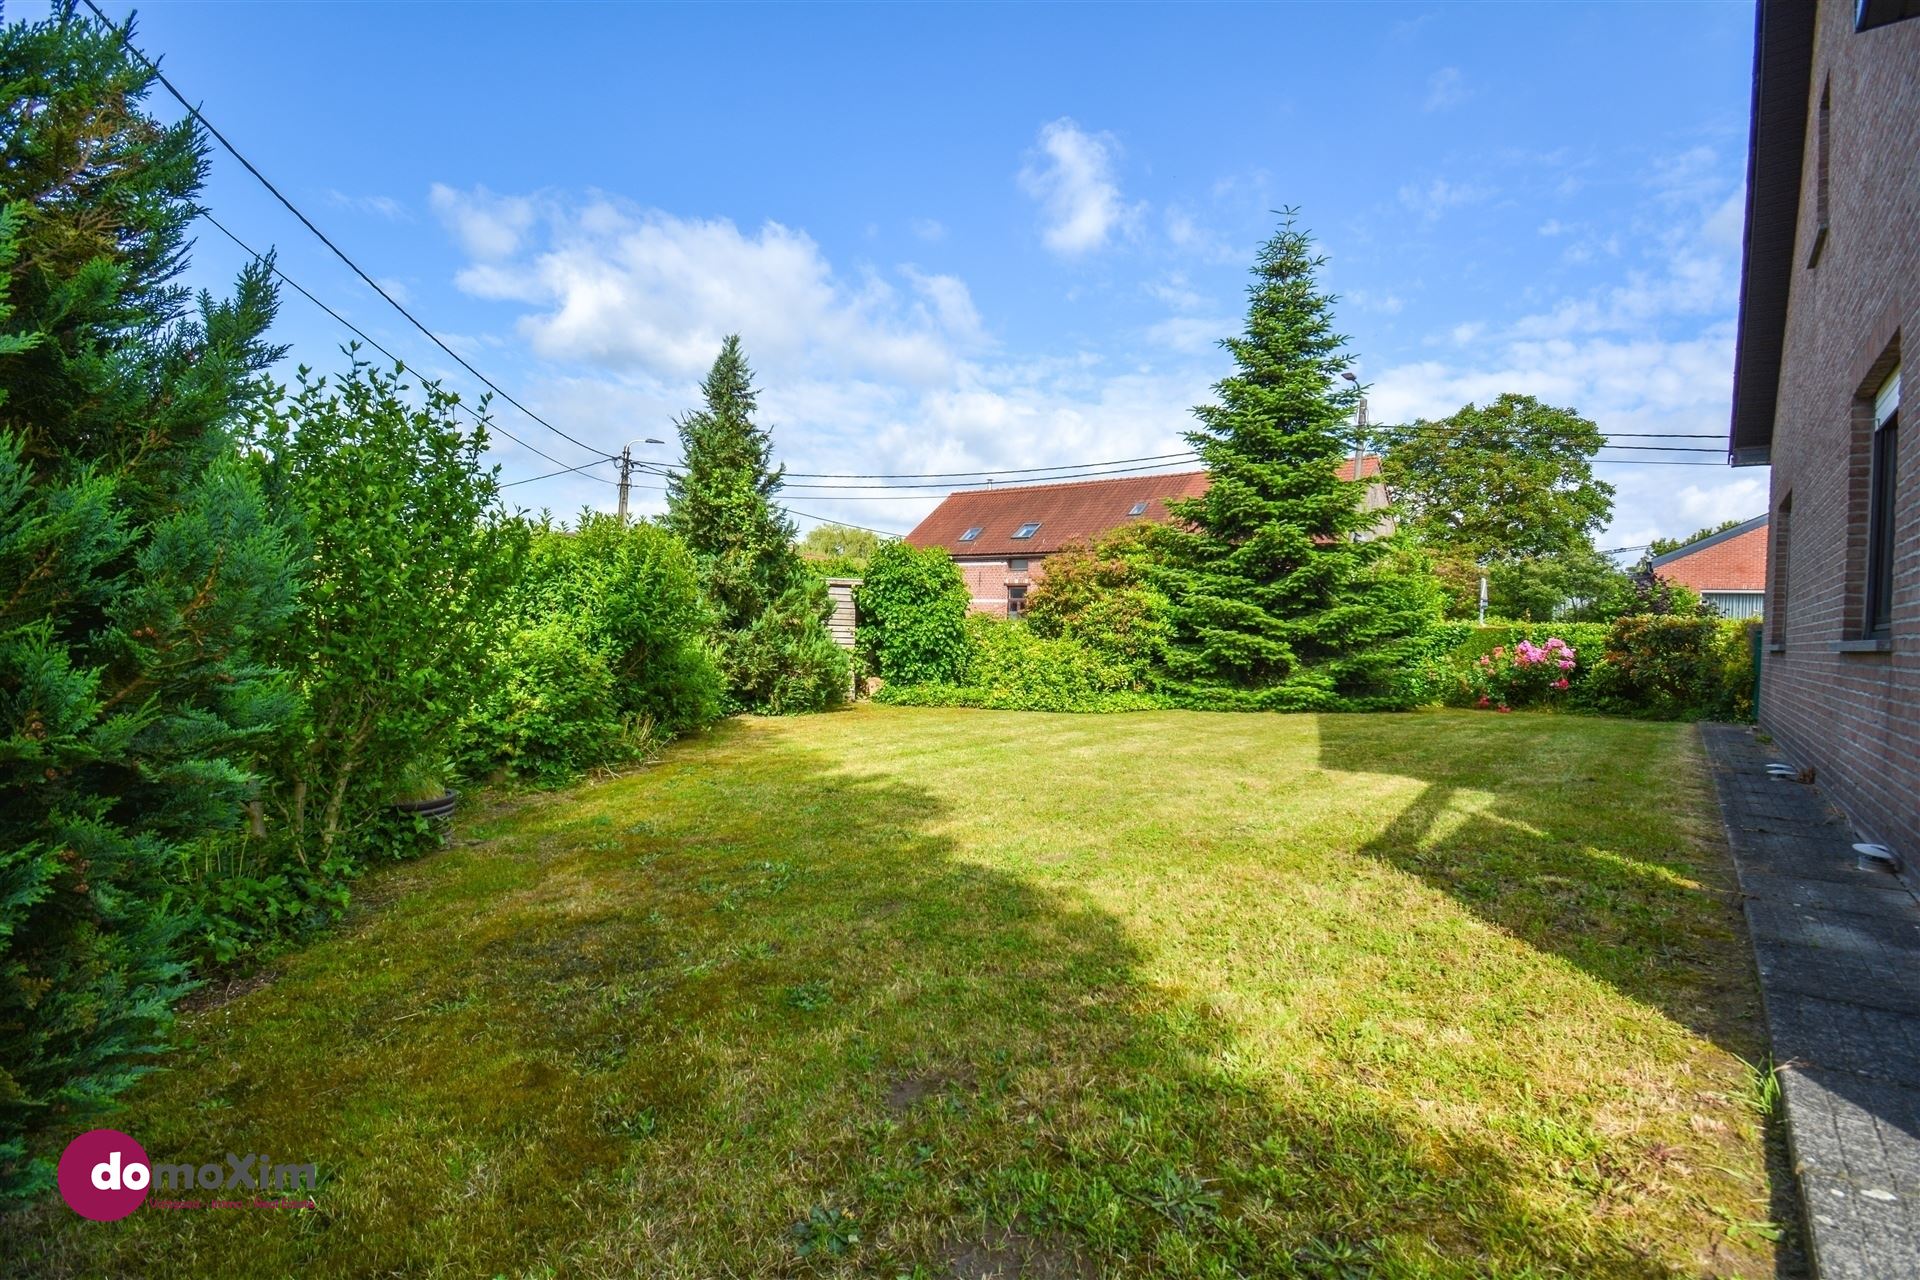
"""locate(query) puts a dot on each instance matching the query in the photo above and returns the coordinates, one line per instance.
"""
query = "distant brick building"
(1001, 536)
(1830, 294)
(1728, 570)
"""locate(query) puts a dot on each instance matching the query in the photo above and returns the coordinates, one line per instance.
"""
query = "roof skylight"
(1027, 530)
(972, 533)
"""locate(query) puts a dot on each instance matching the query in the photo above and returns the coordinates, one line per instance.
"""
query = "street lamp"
(626, 470)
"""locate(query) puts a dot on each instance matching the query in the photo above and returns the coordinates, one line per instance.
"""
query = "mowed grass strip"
(923, 992)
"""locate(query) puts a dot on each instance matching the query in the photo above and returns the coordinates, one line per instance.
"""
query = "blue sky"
(997, 237)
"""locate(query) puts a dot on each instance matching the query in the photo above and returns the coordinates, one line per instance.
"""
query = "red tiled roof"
(1066, 510)
(1732, 560)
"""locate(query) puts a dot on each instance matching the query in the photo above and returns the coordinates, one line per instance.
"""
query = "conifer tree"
(140, 572)
(772, 645)
(1279, 598)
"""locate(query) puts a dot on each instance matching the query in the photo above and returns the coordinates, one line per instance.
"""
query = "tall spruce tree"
(772, 645)
(140, 572)
(1278, 599)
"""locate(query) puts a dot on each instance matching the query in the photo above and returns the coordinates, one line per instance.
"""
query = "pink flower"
(1485, 701)
(1561, 683)
(1566, 664)
(1503, 708)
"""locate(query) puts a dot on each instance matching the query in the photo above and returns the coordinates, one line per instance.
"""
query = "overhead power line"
(1001, 471)
(126, 38)
(362, 334)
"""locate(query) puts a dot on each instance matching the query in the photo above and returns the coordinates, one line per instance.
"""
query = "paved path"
(1838, 950)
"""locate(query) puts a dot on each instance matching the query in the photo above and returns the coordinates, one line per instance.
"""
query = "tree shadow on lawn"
(651, 1026)
(1587, 845)
(1592, 848)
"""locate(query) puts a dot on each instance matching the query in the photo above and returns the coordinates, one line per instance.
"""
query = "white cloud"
(860, 371)
(1439, 195)
(396, 289)
(1071, 174)
(929, 229)
(638, 289)
(1446, 88)
(488, 226)
(379, 206)
(1696, 274)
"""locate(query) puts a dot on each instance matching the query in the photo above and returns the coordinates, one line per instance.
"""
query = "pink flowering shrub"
(1524, 675)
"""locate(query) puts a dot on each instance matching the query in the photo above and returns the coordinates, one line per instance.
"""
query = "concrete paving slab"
(1838, 953)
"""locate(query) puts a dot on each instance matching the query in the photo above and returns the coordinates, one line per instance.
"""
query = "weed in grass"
(829, 1231)
(1762, 1094)
(1181, 1196)
(809, 997)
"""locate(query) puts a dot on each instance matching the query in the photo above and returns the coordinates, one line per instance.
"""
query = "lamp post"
(626, 470)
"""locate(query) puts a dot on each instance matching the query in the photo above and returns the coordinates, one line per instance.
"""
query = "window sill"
(1776, 648)
(1863, 646)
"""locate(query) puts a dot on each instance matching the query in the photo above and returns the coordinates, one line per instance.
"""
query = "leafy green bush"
(632, 592)
(1664, 667)
(608, 650)
(410, 563)
(1010, 668)
(1099, 594)
(913, 615)
(1676, 668)
(550, 713)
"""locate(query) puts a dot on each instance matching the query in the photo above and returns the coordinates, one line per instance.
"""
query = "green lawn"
(1176, 994)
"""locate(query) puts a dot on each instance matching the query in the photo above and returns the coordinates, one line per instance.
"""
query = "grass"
(908, 992)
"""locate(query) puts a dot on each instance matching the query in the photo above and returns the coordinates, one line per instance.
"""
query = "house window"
(1027, 530)
(1016, 566)
(1137, 509)
(1016, 601)
(971, 534)
(1882, 475)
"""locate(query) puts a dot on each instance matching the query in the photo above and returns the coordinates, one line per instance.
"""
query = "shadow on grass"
(1585, 847)
(650, 1027)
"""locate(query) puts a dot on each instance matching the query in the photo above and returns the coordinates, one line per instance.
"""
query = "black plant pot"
(439, 808)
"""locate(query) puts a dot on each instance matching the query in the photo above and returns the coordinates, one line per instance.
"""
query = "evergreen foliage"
(1277, 599)
(771, 640)
(141, 576)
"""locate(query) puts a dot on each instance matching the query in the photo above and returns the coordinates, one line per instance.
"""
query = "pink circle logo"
(104, 1175)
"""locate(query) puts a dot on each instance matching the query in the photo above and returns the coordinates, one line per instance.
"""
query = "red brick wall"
(988, 579)
(1854, 715)
(1735, 564)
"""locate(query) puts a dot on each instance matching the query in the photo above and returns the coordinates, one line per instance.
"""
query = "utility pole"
(627, 464)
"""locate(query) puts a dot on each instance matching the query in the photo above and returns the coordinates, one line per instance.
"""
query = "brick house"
(1830, 288)
(1001, 536)
(1728, 570)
